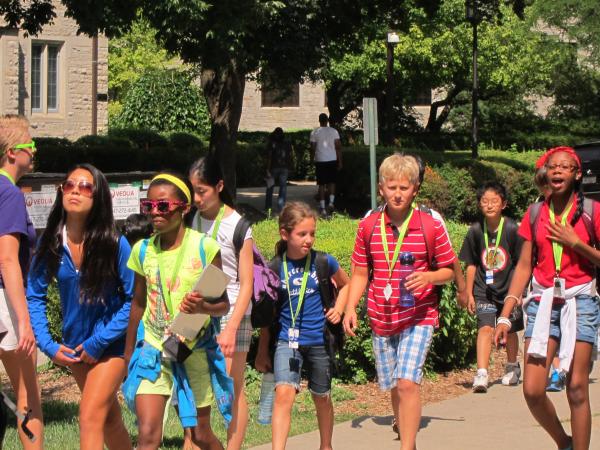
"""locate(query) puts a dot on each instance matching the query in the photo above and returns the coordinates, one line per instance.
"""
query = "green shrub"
(164, 100)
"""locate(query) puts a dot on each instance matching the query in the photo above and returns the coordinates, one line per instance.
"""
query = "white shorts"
(9, 319)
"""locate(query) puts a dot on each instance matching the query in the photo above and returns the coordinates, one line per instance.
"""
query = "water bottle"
(407, 266)
(267, 395)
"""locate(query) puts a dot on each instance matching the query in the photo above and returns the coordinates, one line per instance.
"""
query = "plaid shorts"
(402, 355)
(244, 333)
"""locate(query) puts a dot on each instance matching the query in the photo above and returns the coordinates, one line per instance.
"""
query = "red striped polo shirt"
(388, 317)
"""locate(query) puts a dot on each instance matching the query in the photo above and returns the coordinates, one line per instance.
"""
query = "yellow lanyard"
(302, 287)
(492, 256)
(401, 234)
(7, 175)
(557, 248)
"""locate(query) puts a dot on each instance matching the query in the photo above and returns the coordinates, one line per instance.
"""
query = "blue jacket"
(99, 326)
(145, 364)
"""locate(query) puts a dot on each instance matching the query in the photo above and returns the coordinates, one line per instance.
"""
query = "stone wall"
(258, 118)
(73, 118)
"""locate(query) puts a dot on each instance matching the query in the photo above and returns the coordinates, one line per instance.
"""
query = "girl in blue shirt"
(82, 250)
(300, 332)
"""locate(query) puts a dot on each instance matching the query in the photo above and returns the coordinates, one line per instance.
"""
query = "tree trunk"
(435, 122)
(224, 93)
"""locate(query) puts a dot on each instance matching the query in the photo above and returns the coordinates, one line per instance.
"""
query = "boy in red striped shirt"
(402, 329)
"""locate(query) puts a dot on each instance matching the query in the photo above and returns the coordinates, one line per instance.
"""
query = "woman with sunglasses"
(82, 250)
(17, 240)
(162, 365)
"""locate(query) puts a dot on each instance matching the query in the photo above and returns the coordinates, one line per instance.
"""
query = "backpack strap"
(143, 248)
(322, 268)
(202, 252)
(239, 235)
(588, 220)
(428, 230)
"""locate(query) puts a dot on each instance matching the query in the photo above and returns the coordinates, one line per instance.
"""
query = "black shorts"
(489, 310)
(326, 172)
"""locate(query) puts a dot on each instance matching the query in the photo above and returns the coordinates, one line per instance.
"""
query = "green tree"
(164, 100)
(131, 54)
(230, 40)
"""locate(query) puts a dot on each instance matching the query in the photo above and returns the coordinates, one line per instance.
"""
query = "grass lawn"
(62, 430)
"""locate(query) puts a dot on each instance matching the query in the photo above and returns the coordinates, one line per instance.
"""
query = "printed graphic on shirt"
(494, 259)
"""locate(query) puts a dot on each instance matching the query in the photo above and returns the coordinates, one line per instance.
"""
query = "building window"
(281, 98)
(45, 70)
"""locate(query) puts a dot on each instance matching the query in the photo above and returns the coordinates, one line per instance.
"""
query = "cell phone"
(294, 365)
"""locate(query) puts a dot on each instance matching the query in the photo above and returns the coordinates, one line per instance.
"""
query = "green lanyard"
(218, 222)
(557, 248)
(166, 293)
(498, 237)
(401, 234)
(302, 287)
(7, 175)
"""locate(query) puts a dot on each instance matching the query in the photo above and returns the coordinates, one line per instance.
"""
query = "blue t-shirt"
(14, 219)
(311, 319)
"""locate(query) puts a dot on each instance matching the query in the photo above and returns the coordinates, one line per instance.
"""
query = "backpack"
(333, 333)
(265, 280)
(427, 229)
(588, 220)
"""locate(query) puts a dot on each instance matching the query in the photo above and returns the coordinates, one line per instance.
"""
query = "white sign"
(126, 201)
(38, 206)
(371, 136)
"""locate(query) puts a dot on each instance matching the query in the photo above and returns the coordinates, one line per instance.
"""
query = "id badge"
(293, 337)
(489, 277)
(559, 288)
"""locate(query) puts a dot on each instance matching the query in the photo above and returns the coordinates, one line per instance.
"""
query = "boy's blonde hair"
(14, 130)
(399, 166)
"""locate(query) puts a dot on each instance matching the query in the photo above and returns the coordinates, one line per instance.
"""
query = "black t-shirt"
(280, 154)
(473, 252)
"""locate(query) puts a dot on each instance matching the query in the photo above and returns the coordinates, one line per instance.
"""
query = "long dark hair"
(99, 267)
(209, 171)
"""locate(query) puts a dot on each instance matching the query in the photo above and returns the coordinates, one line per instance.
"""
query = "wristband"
(504, 321)
(515, 297)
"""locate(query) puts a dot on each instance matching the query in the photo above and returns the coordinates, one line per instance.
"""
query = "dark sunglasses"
(162, 206)
(85, 188)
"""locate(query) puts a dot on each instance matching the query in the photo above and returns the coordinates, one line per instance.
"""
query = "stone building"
(49, 78)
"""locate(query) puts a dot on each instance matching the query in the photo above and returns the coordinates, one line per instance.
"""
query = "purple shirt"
(14, 219)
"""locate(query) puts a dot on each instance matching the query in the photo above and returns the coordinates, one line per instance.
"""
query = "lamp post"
(392, 40)
(474, 16)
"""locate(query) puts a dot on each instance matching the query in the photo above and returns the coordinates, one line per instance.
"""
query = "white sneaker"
(512, 373)
(480, 382)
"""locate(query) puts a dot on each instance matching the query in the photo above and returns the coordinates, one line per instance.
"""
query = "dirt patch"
(369, 400)
(56, 384)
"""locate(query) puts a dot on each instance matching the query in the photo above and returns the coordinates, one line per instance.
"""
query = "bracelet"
(575, 243)
(515, 297)
(504, 321)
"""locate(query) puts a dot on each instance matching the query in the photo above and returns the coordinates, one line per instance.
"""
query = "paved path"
(297, 190)
(496, 420)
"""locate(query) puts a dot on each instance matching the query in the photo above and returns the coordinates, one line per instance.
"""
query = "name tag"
(293, 337)
(489, 277)
(559, 288)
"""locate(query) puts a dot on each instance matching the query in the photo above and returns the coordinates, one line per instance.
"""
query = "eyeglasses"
(492, 202)
(563, 166)
(162, 206)
(30, 148)
(85, 188)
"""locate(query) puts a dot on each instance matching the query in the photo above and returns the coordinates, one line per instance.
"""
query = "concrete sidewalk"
(296, 191)
(496, 420)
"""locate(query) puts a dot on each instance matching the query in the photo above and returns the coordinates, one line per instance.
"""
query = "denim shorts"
(588, 318)
(318, 365)
(488, 311)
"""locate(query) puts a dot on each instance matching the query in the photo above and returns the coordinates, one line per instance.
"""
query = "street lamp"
(392, 40)
(474, 16)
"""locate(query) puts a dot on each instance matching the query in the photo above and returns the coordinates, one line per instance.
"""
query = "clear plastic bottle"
(267, 395)
(407, 266)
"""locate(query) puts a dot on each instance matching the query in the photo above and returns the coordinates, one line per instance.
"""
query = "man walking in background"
(326, 152)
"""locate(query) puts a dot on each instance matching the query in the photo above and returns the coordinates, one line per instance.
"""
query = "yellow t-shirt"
(156, 317)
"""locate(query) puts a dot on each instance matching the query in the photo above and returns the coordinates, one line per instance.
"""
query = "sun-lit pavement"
(496, 420)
